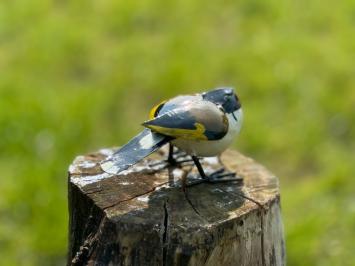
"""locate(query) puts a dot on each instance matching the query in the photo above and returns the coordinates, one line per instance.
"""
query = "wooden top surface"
(142, 194)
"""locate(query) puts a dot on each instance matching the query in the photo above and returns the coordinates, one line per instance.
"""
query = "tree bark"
(144, 217)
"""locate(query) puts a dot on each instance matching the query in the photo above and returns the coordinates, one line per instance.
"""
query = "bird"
(200, 125)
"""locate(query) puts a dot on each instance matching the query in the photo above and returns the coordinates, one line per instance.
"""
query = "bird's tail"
(135, 150)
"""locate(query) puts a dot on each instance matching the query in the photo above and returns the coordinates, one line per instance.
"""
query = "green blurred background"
(76, 76)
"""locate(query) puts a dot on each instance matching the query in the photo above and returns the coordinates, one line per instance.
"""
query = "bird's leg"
(215, 177)
(171, 160)
(199, 168)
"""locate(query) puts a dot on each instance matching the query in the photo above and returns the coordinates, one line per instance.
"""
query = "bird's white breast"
(207, 148)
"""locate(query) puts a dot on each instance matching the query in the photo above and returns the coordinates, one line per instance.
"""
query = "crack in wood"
(86, 249)
(190, 202)
(83, 249)
(185, 190)
(262, 234)
(94, 191)
(135, 196)
(262, 237)
(165, 232)
(244, 197)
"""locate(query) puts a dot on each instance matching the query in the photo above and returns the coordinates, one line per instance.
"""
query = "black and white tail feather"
(134, 151)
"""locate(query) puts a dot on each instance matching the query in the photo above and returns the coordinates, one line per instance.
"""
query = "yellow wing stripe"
(190, 134)
(154, 109)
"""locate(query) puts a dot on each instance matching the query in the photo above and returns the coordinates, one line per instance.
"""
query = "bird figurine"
(201, 125)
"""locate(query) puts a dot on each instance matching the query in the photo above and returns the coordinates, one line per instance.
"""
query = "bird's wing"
(200, 120)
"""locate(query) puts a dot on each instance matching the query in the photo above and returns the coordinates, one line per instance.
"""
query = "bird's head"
(224, 97)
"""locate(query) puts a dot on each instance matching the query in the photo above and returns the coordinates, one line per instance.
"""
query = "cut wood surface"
(143, 216)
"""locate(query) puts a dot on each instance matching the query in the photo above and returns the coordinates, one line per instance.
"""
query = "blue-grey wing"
(190, 118)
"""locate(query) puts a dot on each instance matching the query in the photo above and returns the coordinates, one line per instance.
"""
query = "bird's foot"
(218, 176)
(221, 175)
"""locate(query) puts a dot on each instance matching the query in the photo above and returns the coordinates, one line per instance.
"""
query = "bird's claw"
(217, 176)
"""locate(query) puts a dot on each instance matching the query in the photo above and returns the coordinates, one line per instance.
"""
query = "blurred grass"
(76, 76)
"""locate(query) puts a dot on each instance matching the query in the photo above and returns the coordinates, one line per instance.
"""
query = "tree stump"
(144, 217)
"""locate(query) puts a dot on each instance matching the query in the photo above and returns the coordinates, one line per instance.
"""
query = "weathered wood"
(141, 217)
